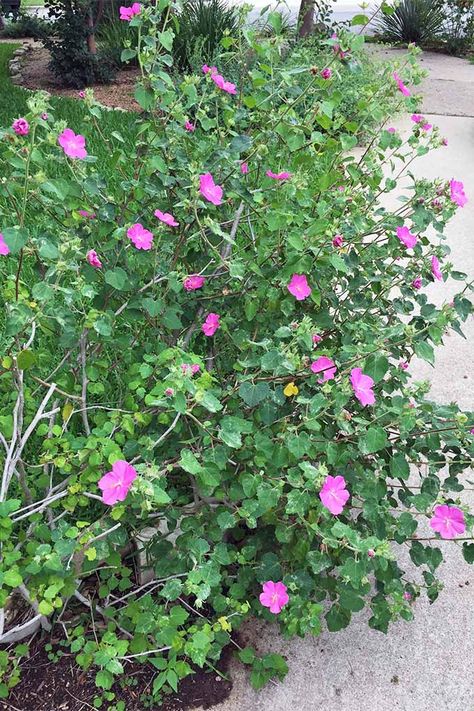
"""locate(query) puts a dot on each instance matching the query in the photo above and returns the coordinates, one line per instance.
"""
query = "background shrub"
(458, 26)
(417, 21)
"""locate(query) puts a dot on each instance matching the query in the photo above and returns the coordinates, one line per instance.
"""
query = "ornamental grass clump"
(216, 342)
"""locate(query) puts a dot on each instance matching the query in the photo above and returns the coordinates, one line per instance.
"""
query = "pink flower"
(93, 259)
(427, 127)
(206, 69)
(166, 218)
(435, 270)
(362, 385)
(448, 521)
(326, 366)
(338, 241)
(471, 431)
(401, 85)
(193, 281)
(278, 176)
(407, 237)
(4, 248)
(444, 141)
(403, 365)
(141, 238)
(82, 94)
(326, 73)
(211, 324)
(195, 368)
(417, 283)
(407, 596)
(44, 116)
(73, 145)
(21, 127)
(219, 81)
(316, 339)
(116, 484)
(210, 190)
(299, 287)
(189, 126)
(391, 129)
(371, 553)
(457, 193)
(187, 368)
(169, 392)
(334, 494)
(244, 168)
(274, 596)
(87, 214)
(128, 13)
(417, 118)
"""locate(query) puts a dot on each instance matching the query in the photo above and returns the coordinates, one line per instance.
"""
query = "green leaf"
(104, 680)
(145, 97)
(189, 463)
(117, 278)
(12, 578)
(373, 440)
(360, 20)
(25, 359)
(166, 39)
(159, 495)
(45, 607)
(337, 618)
(399, 467)
(252, 395)
(376, 366)
(15, 238)
(425, 351)
(468, 552)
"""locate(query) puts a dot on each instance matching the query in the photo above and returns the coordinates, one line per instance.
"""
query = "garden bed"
(50, 682)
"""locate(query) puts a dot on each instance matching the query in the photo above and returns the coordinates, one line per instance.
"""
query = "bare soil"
(60, 685)
(119, 93)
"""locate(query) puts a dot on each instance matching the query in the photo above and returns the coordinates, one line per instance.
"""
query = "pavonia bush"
(207, 356)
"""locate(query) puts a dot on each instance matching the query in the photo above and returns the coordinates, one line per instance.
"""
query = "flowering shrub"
(214, 344)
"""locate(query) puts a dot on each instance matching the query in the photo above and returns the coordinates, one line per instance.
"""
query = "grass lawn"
(13, 104)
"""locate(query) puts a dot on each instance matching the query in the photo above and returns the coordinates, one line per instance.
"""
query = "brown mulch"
(62, 686)
(119, 93)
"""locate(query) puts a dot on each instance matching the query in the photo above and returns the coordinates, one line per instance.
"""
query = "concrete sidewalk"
(428, 664)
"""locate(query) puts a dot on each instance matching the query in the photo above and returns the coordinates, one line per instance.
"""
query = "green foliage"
(417, 21)
(24, 25)
(72, 61)
(201, 26)
(96, 363)
(458, 26)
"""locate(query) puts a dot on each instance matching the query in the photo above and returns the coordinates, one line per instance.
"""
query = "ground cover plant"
(206, 352)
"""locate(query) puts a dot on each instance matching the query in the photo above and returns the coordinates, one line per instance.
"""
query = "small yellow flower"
(291, 389)
(225, 624)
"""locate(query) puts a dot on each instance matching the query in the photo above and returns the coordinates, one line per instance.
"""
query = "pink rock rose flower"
(362, 385)
(334, 494)
(407, 237)
(338, 241)
(189, 126)
(74, 146)
(220, 82)
(284, 175)
(417, 118)
(208, 189)
(141, 238)
(316, 339)
(167, 218)
(88, 215)
(458, 195)
(435, 270)
(448, 521)
(93, 259)
(417, 283)
(21, 127)
(4, 248)
(193, 281)
(116, 484)
(274, 596)
(211, 324)
(128, 13)
(169, 392)
(299, 287)
(244, 168)
(326, 366)
(401, 86)
(326, 73)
